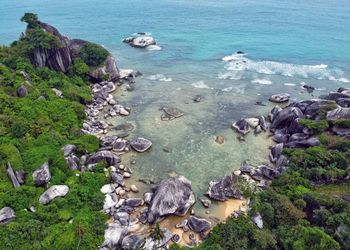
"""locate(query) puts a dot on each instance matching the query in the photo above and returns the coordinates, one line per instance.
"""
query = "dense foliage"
(93, 55)
(33, 130)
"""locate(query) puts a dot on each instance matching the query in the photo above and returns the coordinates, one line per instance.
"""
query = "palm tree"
(156, 235)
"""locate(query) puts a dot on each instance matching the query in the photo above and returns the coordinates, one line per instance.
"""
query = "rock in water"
(22, 91)
(171, 113)
(241, 126)
(7, 214)
(140, 144)
(52, 193)
(171, 196)
(224, 189)
(42, 175)
(280, 98)
(285, 117)
(140, 42)
(104, 155)
(198, 225)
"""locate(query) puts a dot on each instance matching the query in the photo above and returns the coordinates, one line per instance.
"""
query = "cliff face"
(60, 59)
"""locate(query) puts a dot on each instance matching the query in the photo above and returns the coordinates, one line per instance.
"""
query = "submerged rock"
(140, 144)
(198, 225)
(171, 113)
(52, 193)
(171, 196)
(220, 139)
(42, 175)
(7, 214)
(223, 189)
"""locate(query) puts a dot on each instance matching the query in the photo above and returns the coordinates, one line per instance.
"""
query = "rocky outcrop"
(7, 214)
(171, 196)
(42, 175)
(224, 189)
(338, 113)
(52, 193)
(61, 58)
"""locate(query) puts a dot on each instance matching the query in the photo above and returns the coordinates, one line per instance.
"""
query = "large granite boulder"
(109, 68)
(171, 196)
(198, 225)
(224, 189)
(338, 113)
(285, 117)
(280, 98)
(7, 214)
(52, 193)
(42, 175)
(106, 156)
(311, 142)
(140, 144)
(68, 149)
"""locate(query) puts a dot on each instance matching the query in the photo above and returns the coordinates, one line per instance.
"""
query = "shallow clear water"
(288, 43)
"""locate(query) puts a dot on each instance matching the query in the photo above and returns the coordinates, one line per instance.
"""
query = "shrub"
(31, 19)
(93, 55)
(316, 127)
(80, 67)
(342, 123)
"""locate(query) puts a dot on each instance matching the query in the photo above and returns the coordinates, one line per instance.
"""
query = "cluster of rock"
(61, 58)
(244, 125)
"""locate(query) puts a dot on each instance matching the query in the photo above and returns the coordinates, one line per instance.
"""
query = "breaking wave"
(238, 65)
(160, 77)
(200, 85)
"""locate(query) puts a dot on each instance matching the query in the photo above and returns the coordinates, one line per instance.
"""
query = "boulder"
(311, 142)
(257, 219)
(252, 122)
(285, 117)
(269, 172)
(22, 91)
(114, 234)
(262, 122)
(171, 196)
(106, 156)
(134, 202)
(274, 112)
(132, 242)
(224, 189)
(338, 113)
(241, 126)
(42, 175)
(298, 137)
(68, 149)
(109, 68)
(72, 162)
(21, 176)
(118, 179)
(12, 176)
(312, 108)
(52, 193)
(7, 214)
(198, 225)
(246, 168)
(279, 98)
(276, 152)
(344, 102)
(140, 144)
(280, 137)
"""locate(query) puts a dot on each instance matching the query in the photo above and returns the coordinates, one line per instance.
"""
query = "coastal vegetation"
(33, 129)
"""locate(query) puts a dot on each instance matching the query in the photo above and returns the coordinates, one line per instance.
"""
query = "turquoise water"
(287, 44)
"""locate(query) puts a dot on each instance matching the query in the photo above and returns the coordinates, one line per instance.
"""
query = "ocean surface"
(286, 44)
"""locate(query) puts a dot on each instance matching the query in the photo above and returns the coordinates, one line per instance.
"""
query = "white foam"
(262, 81)
(239, 66)
(160, 77)
(154, 48)
(200, 85)
(227, 89)
(289, 84)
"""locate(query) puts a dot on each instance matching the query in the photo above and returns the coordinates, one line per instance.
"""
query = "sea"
(283, 46)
